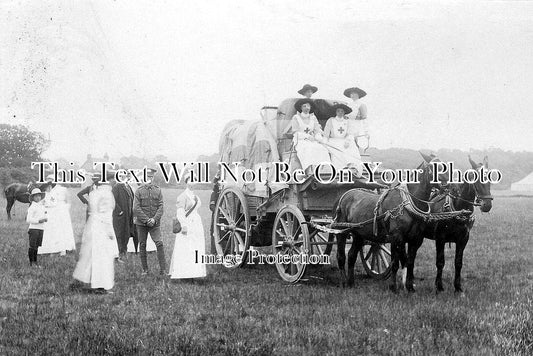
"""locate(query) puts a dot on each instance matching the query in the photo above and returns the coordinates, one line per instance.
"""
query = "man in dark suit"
(123, 217)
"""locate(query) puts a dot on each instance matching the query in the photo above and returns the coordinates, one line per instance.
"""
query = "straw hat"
(36, 191)
(359, 92)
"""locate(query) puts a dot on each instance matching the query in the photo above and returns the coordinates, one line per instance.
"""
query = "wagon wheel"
(290, 236)
(231, 230)
(376, 259)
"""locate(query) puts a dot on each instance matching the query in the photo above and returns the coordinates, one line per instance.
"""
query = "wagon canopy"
(251, 143)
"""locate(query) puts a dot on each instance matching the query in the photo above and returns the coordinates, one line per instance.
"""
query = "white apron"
(183, 263)
(360, 126)
(98, 246)
(310, 153)
(342, 157)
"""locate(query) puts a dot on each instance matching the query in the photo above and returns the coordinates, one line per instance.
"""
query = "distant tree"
(19, 146)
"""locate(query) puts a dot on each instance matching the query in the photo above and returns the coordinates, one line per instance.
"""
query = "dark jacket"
(148, 203)
(123, 213)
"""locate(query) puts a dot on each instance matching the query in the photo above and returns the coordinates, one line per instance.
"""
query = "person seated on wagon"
(308, 139)
(339, 132)
(308, 90)
(359, 114)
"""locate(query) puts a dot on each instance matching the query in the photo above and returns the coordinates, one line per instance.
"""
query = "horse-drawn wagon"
(290, 217)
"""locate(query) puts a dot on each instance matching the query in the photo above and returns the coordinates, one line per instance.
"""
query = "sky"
(164, 77)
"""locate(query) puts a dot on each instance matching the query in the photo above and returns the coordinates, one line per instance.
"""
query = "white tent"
(525, 184)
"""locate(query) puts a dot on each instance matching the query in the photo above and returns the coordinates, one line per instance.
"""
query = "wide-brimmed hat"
(306, 88)
(360, 92)
(300, 102)
(50, 177)
(151, 170)
(36, 191)
(344, 107)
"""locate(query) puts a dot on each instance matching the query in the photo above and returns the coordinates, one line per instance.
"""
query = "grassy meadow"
(250, 311)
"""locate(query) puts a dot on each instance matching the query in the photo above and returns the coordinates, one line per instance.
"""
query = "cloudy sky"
(149, 77)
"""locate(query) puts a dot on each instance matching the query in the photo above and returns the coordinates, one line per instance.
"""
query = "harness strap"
(377, 209)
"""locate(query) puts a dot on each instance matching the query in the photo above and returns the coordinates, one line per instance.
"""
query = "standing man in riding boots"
(147, 213)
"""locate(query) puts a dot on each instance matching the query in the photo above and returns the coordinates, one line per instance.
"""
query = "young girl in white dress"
(190, 242)
(339, 132)
(308, 136)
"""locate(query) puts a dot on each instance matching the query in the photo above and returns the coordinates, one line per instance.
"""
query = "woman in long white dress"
(359, 115)
(190, 242)
(308, 137)
(53, 241)
(98, 247)
(339, 132)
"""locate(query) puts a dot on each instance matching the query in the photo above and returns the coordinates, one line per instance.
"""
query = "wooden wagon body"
(287, 217)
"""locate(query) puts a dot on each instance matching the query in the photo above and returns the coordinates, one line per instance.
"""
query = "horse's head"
(427, 167)
(482, 190)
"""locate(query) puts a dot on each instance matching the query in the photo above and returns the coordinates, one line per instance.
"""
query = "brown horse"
(458, 197)
(17, 191)
(394, 222)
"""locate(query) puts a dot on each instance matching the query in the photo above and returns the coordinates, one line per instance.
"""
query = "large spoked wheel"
(290, 237)
(376, 260)
(231, 229)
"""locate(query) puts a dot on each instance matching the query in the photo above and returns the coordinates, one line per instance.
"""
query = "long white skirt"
(342, 157)
(183, 263)
(96, 263)
(54, 235)
(311, 153)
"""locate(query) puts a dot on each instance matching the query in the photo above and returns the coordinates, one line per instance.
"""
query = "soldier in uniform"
(147, 213)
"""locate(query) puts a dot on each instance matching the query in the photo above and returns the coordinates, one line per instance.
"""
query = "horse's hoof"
(410, 289)
(459, 293)
(393, 289)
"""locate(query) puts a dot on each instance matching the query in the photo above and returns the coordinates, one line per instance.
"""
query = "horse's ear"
(426, 157)
(486, 162)
(472, 163)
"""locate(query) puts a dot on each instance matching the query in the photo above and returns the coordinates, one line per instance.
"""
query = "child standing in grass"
(36, 218)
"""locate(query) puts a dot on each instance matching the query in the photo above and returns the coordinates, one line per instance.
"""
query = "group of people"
(116, 212)
(338, 142)
(119, 211)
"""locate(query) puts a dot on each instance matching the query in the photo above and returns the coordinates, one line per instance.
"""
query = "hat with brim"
(36, 191)
(359, 92)
(151, 171)
(344, 107)
(306, 88)
(300, 102)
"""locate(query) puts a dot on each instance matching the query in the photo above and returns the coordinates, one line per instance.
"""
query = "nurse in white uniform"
(190, 242)
(359, 115)
(339, 132)
(308, 140)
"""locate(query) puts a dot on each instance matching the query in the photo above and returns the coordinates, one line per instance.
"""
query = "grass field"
(251, 311)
